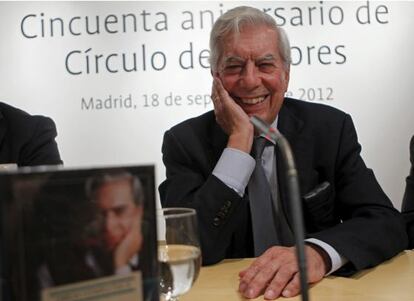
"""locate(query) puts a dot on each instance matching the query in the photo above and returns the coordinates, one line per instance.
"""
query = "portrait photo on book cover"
(81, 234)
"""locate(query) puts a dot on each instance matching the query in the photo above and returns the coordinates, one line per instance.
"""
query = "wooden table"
(391, 281)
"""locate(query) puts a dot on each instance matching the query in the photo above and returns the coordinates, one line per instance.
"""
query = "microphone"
(294, 195)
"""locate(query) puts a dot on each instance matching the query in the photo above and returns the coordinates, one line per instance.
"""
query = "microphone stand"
(294, 194)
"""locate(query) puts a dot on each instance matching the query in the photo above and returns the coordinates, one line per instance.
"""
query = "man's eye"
(233, 69)
(266, 66)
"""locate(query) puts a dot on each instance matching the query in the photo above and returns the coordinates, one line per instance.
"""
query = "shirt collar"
(273, 125)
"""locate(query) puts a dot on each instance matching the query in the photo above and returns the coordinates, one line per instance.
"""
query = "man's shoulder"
(18, 119)
(306, 107)
(201, 131)
(202, 123)
(12, 113)
(312, 112)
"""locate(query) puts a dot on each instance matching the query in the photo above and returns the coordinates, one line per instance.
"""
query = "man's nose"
(110, 222)
(250, 78)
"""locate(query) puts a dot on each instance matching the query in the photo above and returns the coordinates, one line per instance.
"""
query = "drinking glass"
(179, 252)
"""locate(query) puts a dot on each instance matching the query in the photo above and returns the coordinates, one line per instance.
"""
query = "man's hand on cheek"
(231, 117)
(275, 273)
(129, 246)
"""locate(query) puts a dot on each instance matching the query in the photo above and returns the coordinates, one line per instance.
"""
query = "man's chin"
(110, 245)
(260, 111)
(263, 117)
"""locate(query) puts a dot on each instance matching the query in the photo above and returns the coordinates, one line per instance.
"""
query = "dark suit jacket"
(354, 215)
(27, 140)
(408, 200)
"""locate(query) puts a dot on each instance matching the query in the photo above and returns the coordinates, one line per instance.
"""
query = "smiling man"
(241, 201)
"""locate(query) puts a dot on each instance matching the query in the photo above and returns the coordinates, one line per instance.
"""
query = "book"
(78, 234)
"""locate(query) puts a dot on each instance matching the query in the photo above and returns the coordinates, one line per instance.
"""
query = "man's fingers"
(293, 287)
(231, 118)
(221, 92)
(250, 273)
(279, 281)
(276, 274)
(242, 273)
(262, 279)
(214, 95)
(256, 278)
(247, 278)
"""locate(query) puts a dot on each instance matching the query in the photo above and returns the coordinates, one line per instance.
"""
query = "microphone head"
(263, 128)
(259, 124)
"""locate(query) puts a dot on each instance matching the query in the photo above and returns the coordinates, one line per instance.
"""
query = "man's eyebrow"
(233, 59)
(267, 57)
(237, 59)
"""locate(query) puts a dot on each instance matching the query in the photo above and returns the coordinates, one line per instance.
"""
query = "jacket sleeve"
(371, 229)
(41, 147)
(190, 183)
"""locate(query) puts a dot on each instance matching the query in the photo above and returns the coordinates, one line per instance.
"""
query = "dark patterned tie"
(261, 206)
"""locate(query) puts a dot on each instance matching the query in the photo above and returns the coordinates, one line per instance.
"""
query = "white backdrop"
(69, 61)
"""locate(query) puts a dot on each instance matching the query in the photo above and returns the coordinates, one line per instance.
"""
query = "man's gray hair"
(95, 182)
(233, 21)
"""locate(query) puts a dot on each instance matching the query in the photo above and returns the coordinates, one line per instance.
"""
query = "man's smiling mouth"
(250, 101)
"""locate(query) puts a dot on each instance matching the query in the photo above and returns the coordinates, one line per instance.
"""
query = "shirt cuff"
(337, 259)
(124, 270)
(234, 169)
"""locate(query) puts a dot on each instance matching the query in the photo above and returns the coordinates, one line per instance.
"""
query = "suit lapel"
(291, 126)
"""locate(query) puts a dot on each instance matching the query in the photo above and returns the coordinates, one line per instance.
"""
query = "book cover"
(78, 234)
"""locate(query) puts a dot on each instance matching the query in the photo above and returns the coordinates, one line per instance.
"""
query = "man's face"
(118, 211)
(253, 73)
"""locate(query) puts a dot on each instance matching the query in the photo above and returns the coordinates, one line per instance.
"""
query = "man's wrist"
(242, 142)
(324, 255)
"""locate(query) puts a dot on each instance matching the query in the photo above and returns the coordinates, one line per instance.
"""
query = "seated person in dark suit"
(27, 140)
(209, 168)
(408, 200)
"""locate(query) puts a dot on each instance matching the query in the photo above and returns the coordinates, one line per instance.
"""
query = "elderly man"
(209, 168)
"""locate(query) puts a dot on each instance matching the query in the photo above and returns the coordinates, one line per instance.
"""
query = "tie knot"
(258, 147)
